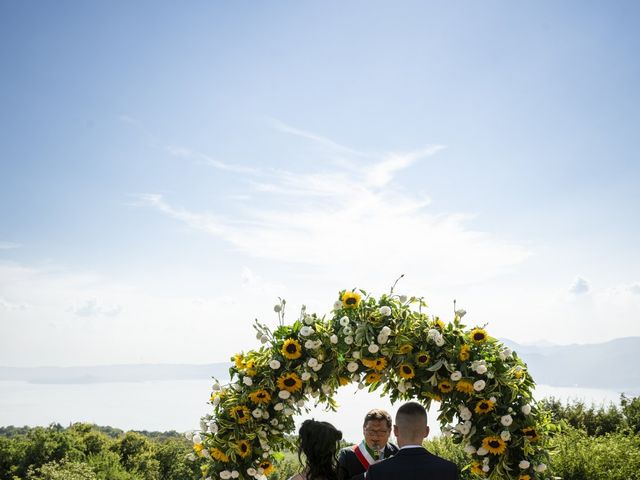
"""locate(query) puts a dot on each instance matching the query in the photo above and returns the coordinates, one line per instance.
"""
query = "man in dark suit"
(413, 461)
(354, 461)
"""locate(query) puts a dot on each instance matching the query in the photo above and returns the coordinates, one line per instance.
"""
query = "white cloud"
(205, 159)
(92, 308)
(580, 286)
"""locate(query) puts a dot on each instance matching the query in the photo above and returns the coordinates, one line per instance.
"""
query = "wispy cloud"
(347, 219)
(580, 286)
(92, 308)
(205, 159)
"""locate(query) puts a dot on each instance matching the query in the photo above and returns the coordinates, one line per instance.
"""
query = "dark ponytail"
(319, 442)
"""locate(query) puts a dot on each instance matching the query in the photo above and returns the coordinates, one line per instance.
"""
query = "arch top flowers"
(388, 344)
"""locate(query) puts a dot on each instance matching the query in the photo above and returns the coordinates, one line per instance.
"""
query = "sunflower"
(343, 381)
(518, 372)
(250, 368)
(494, 445)
(219, 455)
(464, 352)
(530, 433)
(445, 386)
(290, 382)
(244, 448)
(476, 469)
(372, 378)
(381, 364)
(464, 386)
(260, 396)
(350, 299)
(423, 358)
(432, 396)
(291, 349)
(198, 447)
(484, 406)
(478, 335)
(406, 348)
(524, 476)
(238, 359)
(241, 414)
(439, 324)
(406, 371)
(267, 467)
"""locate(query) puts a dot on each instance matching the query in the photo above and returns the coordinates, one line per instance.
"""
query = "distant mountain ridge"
(607, 365)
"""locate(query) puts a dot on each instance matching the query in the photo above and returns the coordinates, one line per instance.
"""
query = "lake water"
(178, 405)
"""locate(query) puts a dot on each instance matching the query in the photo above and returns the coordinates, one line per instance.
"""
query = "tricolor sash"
(363, 455)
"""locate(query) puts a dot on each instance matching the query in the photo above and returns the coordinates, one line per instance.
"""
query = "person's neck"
(404, 442)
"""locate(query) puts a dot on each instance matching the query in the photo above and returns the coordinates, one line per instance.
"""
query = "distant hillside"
(610, 365)
(114, 373)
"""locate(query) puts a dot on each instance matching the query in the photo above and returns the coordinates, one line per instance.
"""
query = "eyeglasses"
(376, 432)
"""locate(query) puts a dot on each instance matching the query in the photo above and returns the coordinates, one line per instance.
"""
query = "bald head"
(411, 424)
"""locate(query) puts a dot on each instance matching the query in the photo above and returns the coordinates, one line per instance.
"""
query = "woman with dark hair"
(319, 443)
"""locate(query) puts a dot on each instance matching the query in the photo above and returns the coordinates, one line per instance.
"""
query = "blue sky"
(169, 170)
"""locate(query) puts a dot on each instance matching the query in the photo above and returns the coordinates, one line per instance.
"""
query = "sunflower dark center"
(290, 382)
(478, 336)
(240, 413)
(484, 406)
(423, 358)
(350, 301)
(244, 447)
(291, 348)
(494, 444)
(262, 395)
(406, 369)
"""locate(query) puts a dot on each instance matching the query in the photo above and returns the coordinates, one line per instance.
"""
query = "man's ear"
(395, 430)
(426, 431)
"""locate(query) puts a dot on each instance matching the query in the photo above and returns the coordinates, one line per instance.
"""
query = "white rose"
(526, 409)
(265, 415)
(373, 348)
(360, 386)
(337, 305)
(216, 401)
(306, 331)
(455, 376)
(439, 340)
(481, 369)
(317, 367)
(402, 387)
(433, 333)
(403, 298)
(326, 389)
(465, 413)
(506, 420)
(305, 376)
(348, 340)
(309, 344)
(213, 427)
(188, 435)
(274, 422)
(235, 474)
(251, 472)
(470, 449)
(309, 320)
(386, 331)
(540, 468)
(352, 366)
(505, 435)
(479, 385)
(275, 364)
(344, 321)
(524, 464)
(197, 438)
(226, 474)
(385, 311)
(312, 362)
(264, 339)
(382, 339)
(333, 339)
(289, 411)
(356, 354)
(257, 413)
(482, 451)
(485, 468)
(505, 353)
(278, 406)
(247, 381)
(216, 387)
(283, 394)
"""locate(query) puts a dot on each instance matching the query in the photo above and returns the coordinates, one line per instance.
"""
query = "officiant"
(354, 461)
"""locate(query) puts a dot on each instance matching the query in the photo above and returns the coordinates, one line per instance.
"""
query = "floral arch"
(388, 343)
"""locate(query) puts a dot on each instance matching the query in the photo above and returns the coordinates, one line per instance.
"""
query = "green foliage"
(62, 471)
(594, 420)
(631, 411)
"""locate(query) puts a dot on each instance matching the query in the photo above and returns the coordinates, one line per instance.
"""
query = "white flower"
(470, 449)
(305, 376)
(235, 474)
(251, 472)
(317, 367)
(373, 348)
(348, 340)
(402, 387)
(213, 427)
(386, 331)
(461, 312)
(274, 422)
(275, 364)
(283, 394)
(264, 339)
(326, 389)
(344, 321)
(278, 406)
(356, 354)
(526, 409)
(540, 468)
(205, 453)
(259, 335)
(333, 339)
(352, 366)
(455, 376)
(360, 386)
(289, 411)
(479, 385)
(247, 381)
(197, 438)
(337, 305)
(347, 330)
(308, 344)
(257, 413)
(524, 464)
(312, 362)
(309, 320)
(382, 339)
(188, 435)
(226, 474)
(505, 435)
(482, 369)
(265, 415)
(433, 334)
(403, 298)
(306, 331)
(439, 340)
(506, 420)
(216, 401)
(482, 451)
(277, 308)
(505, 353)
(216, 387)
(385, 311)
(465, 413)
(464, 428)
(485, 468)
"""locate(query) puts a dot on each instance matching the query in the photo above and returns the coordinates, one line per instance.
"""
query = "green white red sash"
(363, 455)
